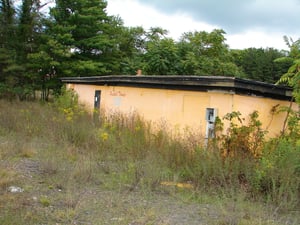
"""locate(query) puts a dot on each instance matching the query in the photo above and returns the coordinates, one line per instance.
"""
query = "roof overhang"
(193, 83)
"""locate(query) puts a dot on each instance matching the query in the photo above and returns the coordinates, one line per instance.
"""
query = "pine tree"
(7, 41)
(19, 37)
(87, 37)
(29, 31)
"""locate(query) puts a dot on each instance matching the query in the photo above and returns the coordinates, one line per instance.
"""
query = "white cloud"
(256, 39)
(134, 14)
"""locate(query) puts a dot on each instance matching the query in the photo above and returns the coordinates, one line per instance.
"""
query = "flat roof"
(193, 83)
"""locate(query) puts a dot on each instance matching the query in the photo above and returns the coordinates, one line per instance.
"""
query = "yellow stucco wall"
(180, 108)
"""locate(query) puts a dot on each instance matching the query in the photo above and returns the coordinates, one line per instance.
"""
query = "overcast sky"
(247, 23)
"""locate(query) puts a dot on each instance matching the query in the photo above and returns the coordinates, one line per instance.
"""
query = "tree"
(29, 30)
(78, 39)
(292, 76)
(20, 31)
(204, 53)
(148, 50)
(162, 57)
(7, 26)
(259, 64)
(292, 79)
(7, 35)
(160, 53)
(83, 29)
(132, 45)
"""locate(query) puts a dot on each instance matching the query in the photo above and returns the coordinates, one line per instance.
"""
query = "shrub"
(278, 173)
(291, 127)
(241, 140)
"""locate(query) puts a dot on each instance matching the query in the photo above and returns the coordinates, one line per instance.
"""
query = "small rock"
(14, 189)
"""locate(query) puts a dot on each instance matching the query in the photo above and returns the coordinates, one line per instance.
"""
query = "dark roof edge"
(200, 83)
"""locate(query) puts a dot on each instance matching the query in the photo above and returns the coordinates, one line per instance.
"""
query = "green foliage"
(291, 126)
(45, 201)
(292, 76)
(162, 57)
(204, 53)
(67, 99)
(132, 46)
(197, 53)
(93, 40)
(294, 126)
(75, 119)
(36, 50)
(7, 30)
(278, 173)
(21, 38)
(260, 64)
(241, 141)
(272, 166)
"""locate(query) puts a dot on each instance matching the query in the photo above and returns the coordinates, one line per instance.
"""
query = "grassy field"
(59, 165)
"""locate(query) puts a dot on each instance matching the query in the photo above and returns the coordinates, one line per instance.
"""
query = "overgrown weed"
(126, 154)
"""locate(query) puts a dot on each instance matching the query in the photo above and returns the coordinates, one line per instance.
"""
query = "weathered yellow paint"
(179, 108)
(271, 122)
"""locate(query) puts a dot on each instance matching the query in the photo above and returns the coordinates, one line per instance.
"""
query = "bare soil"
(49, 197)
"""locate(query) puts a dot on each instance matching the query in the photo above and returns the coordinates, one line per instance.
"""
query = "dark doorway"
(97, 100)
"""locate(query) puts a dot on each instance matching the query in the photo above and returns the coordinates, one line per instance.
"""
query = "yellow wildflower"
(137, 128)
(104, 136)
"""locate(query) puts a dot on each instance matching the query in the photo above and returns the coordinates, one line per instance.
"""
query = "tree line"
(78, 38)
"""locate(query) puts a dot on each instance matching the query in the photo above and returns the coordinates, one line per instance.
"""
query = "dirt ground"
(53, 199)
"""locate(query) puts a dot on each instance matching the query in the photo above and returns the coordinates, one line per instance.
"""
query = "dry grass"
(75, 171)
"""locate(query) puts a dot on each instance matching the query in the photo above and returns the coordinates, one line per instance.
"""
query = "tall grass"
(73, 147)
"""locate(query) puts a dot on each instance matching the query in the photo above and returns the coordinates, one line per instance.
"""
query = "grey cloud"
(237, 15)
